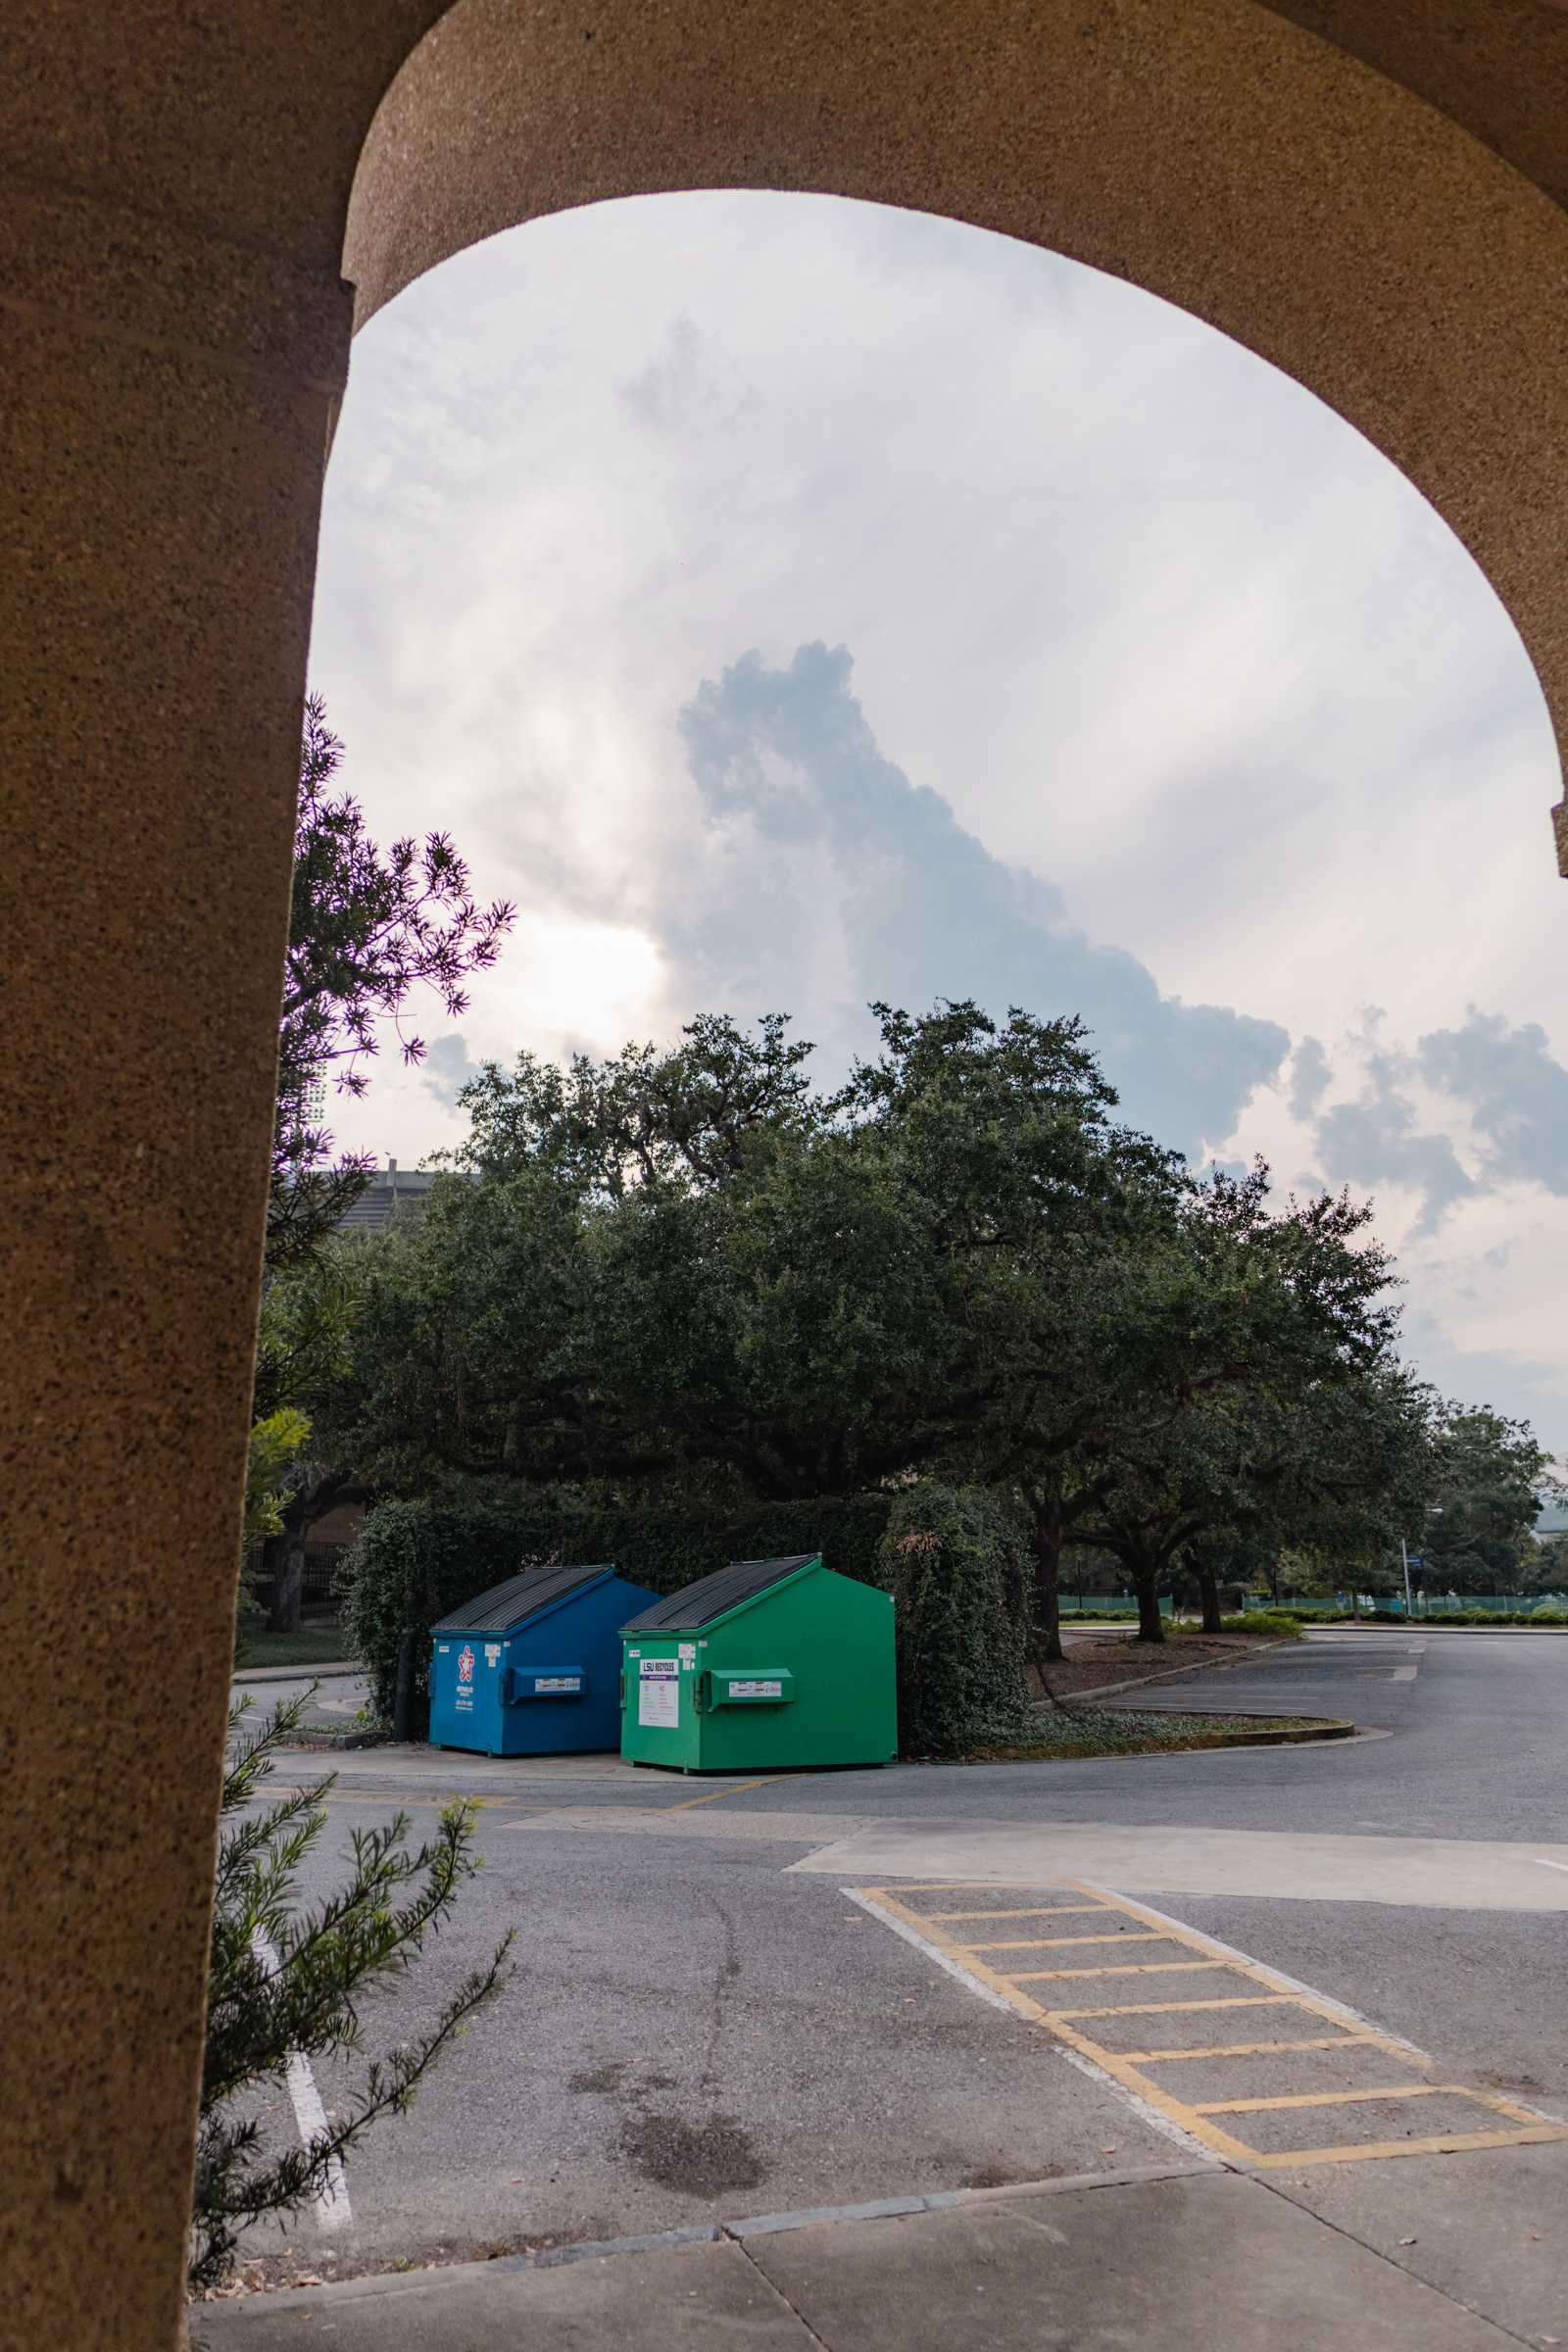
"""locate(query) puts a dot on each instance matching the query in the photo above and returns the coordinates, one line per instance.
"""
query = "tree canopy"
(693, 1270)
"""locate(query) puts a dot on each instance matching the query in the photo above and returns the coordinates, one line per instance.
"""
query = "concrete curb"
(260, 2307)
(1312, 1731)
(1321, 1726)
(336, 1670)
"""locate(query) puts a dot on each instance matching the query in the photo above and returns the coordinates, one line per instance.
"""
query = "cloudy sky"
(790, 602)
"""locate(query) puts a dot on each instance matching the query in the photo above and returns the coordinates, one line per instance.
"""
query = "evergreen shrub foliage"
(288, 1981)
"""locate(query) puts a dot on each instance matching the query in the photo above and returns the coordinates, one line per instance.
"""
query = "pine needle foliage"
(288, 1980)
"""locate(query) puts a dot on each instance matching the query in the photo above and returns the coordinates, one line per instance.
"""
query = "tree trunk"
(269, 1574)
(1208, 1588)
(1146, 1583)
(1047, 1596)
(283, 1616)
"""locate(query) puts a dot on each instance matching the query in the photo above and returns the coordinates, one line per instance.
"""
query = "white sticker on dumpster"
(756, 1690)
(658, 1693)
(557, 1681)
(688, 1654)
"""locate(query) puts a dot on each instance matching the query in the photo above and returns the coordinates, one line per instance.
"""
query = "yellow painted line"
(1448, 2143)
(1239, 2000)
(737, 1788)
(1041, 1944)
(955, 1886)
(1336, 2099)
(1134, 1968)
(1258, 2049)
(1042, 1911)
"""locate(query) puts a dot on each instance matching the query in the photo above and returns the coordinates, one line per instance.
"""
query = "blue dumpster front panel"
(534, 1667)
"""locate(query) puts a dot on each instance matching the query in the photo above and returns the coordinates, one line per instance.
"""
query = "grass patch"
(1104, 1732)
(312, 1645)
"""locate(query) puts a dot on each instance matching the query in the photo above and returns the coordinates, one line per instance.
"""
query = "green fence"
(1426, 1604)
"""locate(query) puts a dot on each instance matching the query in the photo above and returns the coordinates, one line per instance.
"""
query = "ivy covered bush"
(956, 1560)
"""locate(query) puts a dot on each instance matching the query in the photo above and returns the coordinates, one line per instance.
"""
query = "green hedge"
(415, 1562)
(956, 1562)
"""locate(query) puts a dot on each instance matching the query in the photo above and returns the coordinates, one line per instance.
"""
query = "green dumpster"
(765, 1666)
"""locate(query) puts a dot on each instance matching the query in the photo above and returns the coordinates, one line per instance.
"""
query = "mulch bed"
(1091, 1663)
(1090, 1731)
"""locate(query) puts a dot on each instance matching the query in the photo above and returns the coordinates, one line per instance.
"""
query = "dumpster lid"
(714, 1597)
(523, 1595)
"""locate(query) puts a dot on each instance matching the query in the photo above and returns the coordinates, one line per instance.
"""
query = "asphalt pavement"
(725, 2003)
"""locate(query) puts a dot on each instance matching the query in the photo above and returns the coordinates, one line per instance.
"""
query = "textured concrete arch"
(1367, 195)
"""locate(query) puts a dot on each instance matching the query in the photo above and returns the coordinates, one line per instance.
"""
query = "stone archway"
(1373, 206)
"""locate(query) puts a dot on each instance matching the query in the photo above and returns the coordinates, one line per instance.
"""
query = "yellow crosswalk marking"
(1134, 1968)
(1043, 1911)
(1075, 2025)
(1039, 1944)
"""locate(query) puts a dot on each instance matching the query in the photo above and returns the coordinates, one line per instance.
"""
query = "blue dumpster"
(532, 1667)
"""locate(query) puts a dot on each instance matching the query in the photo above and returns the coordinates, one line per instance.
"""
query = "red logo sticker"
(465, 1664)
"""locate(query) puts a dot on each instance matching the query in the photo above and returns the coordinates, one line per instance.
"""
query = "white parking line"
(1546, 1863)
(331, 2201)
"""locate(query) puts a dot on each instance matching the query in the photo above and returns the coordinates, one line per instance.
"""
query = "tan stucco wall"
(173, 216)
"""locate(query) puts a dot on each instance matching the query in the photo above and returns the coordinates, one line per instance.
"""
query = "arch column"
(165, 425)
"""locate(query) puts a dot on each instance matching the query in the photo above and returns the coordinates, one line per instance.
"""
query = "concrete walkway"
(1180, 2259)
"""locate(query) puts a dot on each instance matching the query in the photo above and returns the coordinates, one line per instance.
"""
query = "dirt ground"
(1094, 1659)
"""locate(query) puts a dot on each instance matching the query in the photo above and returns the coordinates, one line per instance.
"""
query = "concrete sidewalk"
(1179, 2258)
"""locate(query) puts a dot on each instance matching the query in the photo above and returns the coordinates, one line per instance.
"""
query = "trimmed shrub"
(956, 1563)
(415, 1562)
(1280, 1625)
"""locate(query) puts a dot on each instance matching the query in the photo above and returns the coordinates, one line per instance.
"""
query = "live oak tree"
(689, 1264)
(1035, 1198)
(689, 1271)
(1236, 1337)
(689, 1116)
(775, 1335)
(1490, 1478)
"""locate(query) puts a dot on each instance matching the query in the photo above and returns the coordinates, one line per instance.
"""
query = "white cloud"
(1171, 643)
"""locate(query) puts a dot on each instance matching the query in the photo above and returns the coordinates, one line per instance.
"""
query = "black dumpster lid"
(506, 1605)
(715, 1595)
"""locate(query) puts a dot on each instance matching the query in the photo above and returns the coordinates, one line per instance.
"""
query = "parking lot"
(744, 1997)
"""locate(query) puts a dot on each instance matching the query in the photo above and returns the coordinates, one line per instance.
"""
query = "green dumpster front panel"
(659, 1713)
(797, 1675)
